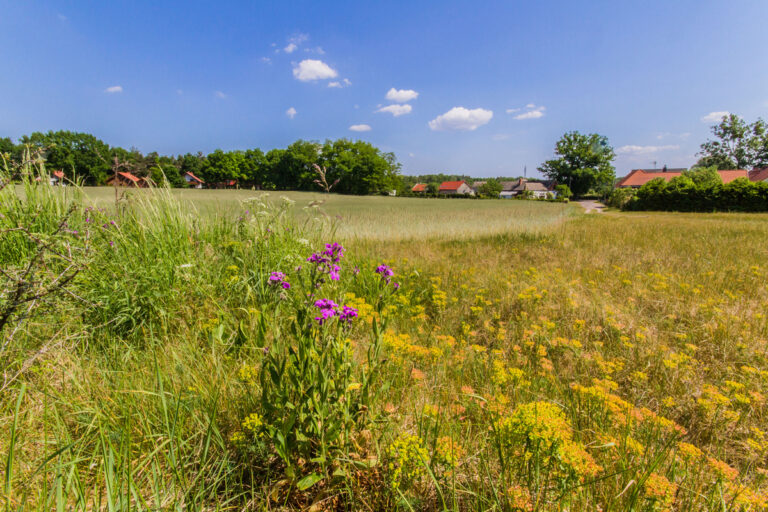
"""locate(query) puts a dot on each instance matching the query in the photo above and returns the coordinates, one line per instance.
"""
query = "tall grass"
(613, 362)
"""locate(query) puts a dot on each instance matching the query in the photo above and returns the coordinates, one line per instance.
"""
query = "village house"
(756, 175)
(521, 186)
(126, 179)
(455, 188)
(639, 177)
(193, 181)
(476, 186)
(419, 188)
(57, 178)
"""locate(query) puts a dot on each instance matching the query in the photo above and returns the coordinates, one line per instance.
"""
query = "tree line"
(351, 167)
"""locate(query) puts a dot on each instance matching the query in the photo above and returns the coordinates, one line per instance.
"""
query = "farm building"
(126, 179)
(419, 188)
(759, 174)
(455, 188)
(639, 177)
(57, 178)
(522, 186)
(476, 186)
(193, 181)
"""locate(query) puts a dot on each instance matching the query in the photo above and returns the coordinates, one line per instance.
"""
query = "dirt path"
(592, 206)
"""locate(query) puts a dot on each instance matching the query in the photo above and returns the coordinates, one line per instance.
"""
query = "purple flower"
(334, 251)
(356, 271)
(385, 271)
(333, 271)
(347, 314)
(278, 278)
(396, 285)
(325, 304)
(111, 243)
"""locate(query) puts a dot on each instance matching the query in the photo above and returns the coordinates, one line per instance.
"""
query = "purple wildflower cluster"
(386, 274)
(329, 309)
(279, 279)
(327, 260)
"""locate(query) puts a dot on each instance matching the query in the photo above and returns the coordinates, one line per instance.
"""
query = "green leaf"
(308, 481)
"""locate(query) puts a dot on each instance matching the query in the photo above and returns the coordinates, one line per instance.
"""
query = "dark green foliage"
(686, 195)
(491, 188)
(79, 155)
(583, 163)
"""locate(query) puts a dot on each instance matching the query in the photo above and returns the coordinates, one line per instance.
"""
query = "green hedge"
(684, 195)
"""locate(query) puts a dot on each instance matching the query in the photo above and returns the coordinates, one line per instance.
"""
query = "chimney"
(664, 169)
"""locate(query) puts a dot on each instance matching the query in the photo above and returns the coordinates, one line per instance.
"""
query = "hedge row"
(683, 195)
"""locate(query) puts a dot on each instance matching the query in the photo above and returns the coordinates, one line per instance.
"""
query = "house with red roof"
(193, 181)
(455, 188)
(639, 177)
(126, 179)
(57, 178)
(756, 175)
(419, 188)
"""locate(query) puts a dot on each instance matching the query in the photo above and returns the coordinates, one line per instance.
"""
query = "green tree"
(80, 155)
(491, 188)
(359, 167)
(583, 162)
(737, 144)
(223, 166)
(563, 191)
(433, 187)
(704, 176)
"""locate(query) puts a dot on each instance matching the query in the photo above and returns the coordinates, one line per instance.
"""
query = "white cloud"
(644, 150)
(396, 110)
(291, 112)
(114, 89)
(317, 49)
(339, 85)
(266, 60)
(512, 110)
(460, 118)
(533, 112)
(714, 117)
(310, 70)
(290, 48)
(530, 105)
(220, 95)
(411, 155)
(500, 136)
(294, 42)
(401, 95)
(360, 127)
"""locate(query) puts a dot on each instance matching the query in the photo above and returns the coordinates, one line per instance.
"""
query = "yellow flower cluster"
(248, 374)
(660, 490)
(408, 459)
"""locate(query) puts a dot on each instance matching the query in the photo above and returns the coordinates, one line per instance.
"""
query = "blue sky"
(497, 83)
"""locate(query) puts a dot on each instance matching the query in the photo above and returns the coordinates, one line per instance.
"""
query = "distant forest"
(353, 167)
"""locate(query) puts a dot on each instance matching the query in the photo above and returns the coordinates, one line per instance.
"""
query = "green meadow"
(206, 350)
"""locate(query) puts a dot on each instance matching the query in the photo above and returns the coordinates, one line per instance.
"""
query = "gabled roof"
(506, 186)
(452, 185)
(129, 176)
(758, 174)
(59, 174)
(478, 184)
(193, 177)
(419, 187)
(639, 177)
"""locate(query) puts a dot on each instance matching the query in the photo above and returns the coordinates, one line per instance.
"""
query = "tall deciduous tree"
(737, 145)
(583, 162)
(78, 154)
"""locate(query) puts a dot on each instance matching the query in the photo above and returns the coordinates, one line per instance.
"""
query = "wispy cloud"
(114, 89)
(715, 117)
(360, 128)
(294, 42)
(291, 112)
(462, 119)
(220, 95)
(645, 150)
(310, 70)
(401, 95)
(396, 110)
(339, 85)
(531, 112)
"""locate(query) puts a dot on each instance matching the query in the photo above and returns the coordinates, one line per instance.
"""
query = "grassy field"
(594, 362)
(377, 217)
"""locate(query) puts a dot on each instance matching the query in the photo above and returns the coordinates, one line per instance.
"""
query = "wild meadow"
(262, 356)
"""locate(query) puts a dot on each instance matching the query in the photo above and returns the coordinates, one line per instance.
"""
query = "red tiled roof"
(451, 185)
(640, 177)
(194, 177)
(129, 176)
(419, 187)
(59, 174)
(758, 174)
